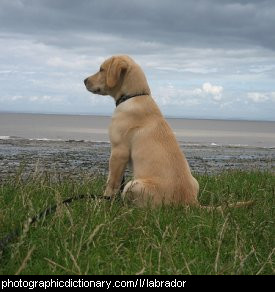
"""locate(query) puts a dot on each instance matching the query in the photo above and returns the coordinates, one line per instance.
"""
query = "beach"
(73, 145)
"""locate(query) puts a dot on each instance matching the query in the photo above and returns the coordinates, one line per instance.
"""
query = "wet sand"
(74, 158)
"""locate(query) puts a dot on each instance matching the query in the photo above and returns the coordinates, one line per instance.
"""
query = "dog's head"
(117, 76)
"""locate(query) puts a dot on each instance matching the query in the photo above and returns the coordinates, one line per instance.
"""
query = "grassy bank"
(101, 237)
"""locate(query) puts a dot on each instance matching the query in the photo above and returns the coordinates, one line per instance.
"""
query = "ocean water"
(95, 128)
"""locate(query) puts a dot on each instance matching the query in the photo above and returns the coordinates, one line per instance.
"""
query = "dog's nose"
(85, 81)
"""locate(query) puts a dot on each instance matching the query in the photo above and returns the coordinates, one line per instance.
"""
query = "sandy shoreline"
(75, 157)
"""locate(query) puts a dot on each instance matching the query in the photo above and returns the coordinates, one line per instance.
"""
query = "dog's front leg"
(117, 164)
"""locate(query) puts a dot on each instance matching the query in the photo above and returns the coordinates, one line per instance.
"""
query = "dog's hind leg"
(139, 192)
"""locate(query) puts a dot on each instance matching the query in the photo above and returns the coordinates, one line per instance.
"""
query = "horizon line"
(109, 115)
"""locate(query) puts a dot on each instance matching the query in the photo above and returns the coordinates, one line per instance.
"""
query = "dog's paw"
(107, 194)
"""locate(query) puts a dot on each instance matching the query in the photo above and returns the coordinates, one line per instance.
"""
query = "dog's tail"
(223, 207)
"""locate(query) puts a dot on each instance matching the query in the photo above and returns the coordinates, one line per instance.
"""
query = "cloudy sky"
(202, 58)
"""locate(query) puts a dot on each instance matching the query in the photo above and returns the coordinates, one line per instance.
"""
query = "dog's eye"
(101, 69)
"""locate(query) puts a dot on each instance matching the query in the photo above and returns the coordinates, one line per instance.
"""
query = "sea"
(58, 127)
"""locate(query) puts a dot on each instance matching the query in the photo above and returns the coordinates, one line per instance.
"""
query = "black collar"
(125, 97)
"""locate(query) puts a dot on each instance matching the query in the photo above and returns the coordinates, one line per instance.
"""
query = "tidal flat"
(72, 158)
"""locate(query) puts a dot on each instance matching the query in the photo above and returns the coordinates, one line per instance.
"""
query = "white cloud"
(32, 99)
(260, 97)
(170, 94)
(45, 98)
(16, 97)
(214, 90)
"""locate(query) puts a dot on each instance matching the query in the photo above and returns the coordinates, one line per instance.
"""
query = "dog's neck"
(125, 97)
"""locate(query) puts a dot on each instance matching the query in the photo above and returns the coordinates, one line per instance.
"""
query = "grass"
(102, 237)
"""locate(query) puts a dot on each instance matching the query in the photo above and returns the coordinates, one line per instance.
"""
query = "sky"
(203, 58)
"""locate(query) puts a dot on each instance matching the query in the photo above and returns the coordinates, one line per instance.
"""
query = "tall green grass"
(94, 236)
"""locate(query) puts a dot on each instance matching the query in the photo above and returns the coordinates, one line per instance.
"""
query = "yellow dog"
(140, 136)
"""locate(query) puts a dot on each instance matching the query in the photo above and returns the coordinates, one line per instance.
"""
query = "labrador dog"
(139, 135)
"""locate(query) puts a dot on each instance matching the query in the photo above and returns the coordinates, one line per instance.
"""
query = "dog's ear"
(115, 70)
